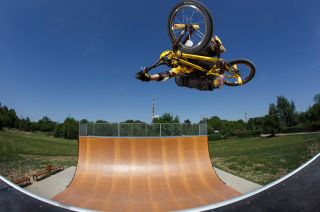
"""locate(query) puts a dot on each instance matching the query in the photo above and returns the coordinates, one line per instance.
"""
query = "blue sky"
(79, 58)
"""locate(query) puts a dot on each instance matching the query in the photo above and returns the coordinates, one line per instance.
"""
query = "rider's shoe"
(219, 81)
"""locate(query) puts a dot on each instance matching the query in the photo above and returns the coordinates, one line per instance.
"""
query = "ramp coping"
(144, 137)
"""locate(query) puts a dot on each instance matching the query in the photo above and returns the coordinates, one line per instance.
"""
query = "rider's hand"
(141, 75)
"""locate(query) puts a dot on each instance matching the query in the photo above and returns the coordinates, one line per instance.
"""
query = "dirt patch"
(314, 149)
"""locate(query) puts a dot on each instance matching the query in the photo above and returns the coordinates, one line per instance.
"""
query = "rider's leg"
(219, 81)
(203, 83)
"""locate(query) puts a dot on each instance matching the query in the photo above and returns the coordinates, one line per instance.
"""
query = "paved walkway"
(286, 134)
(53, 185)
(237, 183)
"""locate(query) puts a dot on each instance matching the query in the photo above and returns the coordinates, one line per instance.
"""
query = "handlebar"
(148, 68)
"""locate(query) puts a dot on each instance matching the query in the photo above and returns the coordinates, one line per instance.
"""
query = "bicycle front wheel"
(195, 14)
(243, 68)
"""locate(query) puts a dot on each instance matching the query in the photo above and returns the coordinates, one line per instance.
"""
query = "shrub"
(215, 137)
(297, 129)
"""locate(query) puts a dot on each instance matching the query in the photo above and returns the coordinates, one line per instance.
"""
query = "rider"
(193, 78)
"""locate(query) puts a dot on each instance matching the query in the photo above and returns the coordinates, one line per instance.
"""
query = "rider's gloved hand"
(141, 75)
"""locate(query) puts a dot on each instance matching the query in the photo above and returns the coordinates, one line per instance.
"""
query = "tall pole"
(153, 109)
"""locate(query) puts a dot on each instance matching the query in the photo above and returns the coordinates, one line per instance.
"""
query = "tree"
(255, 123)
(302, 118)
(1, 124)
(316, 98)
(1, 121)
(166, 118)
(8, 117)
(130, 121)
(271, 121)
(215, 122)
(46, 125)
(70, 128)
(84, 121)
(187, 121)
(58, 131)
(286, 111)
(101, 121)
(313, 114)
(25, 124)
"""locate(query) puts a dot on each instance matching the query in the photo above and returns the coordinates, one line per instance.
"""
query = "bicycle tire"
(208, 23)
(252, 72)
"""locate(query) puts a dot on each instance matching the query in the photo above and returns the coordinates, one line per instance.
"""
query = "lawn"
(23, 153)
(263, 160)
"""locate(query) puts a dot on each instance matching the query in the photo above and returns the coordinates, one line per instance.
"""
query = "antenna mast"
(153, 108)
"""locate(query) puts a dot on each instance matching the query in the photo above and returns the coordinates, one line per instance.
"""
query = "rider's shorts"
(203, 83)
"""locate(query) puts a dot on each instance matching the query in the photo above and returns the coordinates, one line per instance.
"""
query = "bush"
(215, 137)
(248, 134)
(297, 129)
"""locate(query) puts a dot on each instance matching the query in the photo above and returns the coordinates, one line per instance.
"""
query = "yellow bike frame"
(179, 59)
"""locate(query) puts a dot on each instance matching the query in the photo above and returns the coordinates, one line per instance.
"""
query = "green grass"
(263, 160)
(23, 153)
(37, 144)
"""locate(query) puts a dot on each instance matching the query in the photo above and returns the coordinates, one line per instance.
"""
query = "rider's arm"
(159, 76)
(163, 75)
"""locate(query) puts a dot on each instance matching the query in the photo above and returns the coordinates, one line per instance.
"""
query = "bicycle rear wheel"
(195, 14)
(242, 67)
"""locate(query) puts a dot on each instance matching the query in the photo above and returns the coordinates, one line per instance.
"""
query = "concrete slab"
(237, 183)
(53, 185)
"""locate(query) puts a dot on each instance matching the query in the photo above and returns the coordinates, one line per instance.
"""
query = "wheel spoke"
(191, 16)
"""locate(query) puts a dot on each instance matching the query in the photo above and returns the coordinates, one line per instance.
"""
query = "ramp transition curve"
(144, 174)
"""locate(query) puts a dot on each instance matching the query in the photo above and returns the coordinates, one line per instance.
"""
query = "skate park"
(163, 173)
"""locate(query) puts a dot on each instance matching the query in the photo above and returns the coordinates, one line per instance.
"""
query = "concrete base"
(237, 183)
(53, 185)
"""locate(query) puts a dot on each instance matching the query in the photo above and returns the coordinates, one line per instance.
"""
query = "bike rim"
(189, 14)
(243, 69)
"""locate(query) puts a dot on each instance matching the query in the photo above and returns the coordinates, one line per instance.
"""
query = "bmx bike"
(190, 28)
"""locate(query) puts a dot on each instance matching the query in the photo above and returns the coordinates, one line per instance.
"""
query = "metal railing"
(142, 129)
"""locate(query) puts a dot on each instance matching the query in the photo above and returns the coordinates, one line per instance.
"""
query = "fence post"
(93, 129)
(132, 129)
(118, 129)
(206, 132)
(146, 129)
(160, 130)
(199, 129)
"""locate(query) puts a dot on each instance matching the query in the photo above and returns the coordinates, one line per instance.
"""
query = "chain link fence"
(142, 129)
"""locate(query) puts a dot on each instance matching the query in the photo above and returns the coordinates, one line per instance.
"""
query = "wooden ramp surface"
(144, 174)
